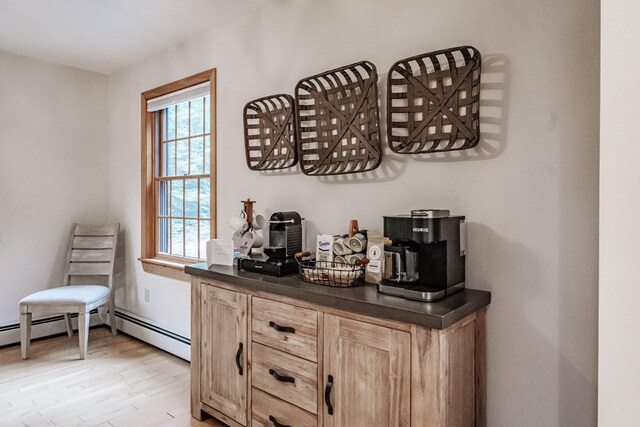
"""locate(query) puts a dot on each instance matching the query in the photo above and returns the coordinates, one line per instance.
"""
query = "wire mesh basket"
(331, 273)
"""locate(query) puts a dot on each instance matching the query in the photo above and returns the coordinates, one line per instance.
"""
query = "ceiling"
(106, 35)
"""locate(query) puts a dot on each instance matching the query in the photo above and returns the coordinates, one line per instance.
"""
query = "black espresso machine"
(285, 240)
(426, 258)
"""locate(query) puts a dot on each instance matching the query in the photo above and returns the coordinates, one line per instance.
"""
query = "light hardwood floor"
(123, 382)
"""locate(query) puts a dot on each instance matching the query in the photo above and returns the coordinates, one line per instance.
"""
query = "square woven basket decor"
(338, 121)
(433, 102)
(270, 133)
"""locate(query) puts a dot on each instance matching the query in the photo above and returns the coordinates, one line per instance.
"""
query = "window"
(178, 173)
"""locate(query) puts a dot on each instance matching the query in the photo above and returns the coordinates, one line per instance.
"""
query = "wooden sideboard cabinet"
(261, 359)
(367, 372)
(223, 352)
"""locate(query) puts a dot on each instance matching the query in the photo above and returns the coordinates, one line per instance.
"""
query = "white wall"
(529, 190)
(53, 142)
(619, 316)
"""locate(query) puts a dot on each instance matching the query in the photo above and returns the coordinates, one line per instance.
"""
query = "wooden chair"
(92, 250)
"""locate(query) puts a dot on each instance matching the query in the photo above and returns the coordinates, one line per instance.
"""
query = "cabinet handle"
(238, 354)
(276, 423)
(280, 377)
(327, 394)
(279, 328)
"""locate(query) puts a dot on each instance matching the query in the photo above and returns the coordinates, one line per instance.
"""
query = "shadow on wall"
(121, 261)
(57, 271)
(524, 355)
(494, 100)
(529, 358)
(577, 243)
(119, 276)
(493, 261)
(125, 280)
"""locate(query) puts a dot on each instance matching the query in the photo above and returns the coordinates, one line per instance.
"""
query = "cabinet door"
(367, 370)
(223, 343)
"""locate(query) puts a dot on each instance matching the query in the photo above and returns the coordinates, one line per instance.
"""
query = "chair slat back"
(93, 242)
(91, 255)
(95, 230)
(89, 268)
(92, 251)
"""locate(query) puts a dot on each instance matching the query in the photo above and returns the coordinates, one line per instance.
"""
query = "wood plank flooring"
(123, 382)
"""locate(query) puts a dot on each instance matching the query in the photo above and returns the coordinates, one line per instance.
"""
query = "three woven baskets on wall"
(333, 126)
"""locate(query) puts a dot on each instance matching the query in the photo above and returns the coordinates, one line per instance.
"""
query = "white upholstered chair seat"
(80, 295)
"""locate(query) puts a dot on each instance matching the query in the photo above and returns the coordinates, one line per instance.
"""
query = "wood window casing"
(152, 260)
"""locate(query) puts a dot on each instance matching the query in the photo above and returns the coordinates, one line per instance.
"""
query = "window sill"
(161, 267)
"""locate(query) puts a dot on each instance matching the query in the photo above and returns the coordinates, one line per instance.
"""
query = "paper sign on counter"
(219, 251)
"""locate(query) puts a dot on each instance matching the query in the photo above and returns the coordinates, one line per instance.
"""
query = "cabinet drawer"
(269, 411)
(288, 377)
(285, 327)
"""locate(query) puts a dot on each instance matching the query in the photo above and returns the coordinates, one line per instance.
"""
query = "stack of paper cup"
(357, 243)
(347, 249)
(341, 246)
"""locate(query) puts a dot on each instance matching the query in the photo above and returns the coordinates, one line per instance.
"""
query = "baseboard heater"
(42, 321)
(154, 328)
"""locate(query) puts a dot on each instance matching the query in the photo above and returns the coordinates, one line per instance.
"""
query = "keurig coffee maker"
(425, 260)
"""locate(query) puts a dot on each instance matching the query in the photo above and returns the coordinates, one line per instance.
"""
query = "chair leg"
(112, 318)
(25, 334)
(67, 322)
(83, 333)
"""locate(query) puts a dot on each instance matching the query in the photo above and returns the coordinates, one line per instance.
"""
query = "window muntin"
(183, 181)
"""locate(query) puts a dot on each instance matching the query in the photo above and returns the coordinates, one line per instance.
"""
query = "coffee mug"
(258, 241)
(238, 223)
(259, 222)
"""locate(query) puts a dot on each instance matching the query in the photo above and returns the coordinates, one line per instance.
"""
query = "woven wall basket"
(269, 133)
(338, 121)
(433, 102)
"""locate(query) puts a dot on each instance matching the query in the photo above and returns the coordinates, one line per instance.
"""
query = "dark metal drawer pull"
(279, 328)
(327, 394)
(280, 377)
(238, 354)
(276, 423)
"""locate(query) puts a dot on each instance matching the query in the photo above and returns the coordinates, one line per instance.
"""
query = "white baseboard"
(42, 327)
(136, 326)
(147, 331)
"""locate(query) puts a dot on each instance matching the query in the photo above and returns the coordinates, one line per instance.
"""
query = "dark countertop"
(361, 299)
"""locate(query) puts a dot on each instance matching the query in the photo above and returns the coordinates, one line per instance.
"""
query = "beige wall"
(619, 316)
(53, 146)
(530, 190)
